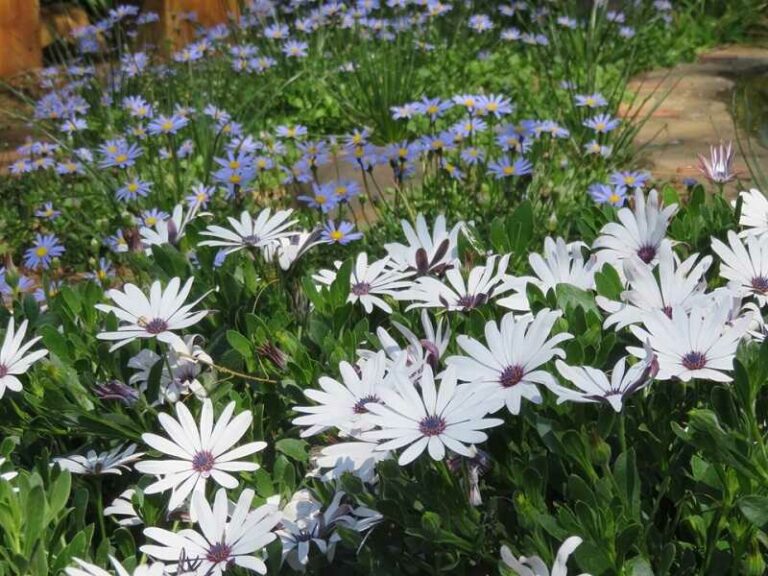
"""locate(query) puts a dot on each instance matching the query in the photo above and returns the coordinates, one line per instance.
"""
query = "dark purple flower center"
(647, 253)
(361, 288)
(203, 461)
(432, 426)
(470, 301)
(219, 552)
(251, 240)
(360, 405)
(511, 376)
(668, 311)
(3, 370)
(760, 284)
(156, 326)
(694, 361)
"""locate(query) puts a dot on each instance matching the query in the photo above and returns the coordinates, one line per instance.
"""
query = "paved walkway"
(696, 110)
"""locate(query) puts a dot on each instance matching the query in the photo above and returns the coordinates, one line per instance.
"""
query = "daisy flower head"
(534, 566)
(304, 522)
(94, 464)
(639, 233)
(744, 263)
(223, 539)
(156, 316)
(627, 179)
(754, 213)
(199, 452)
(700, 343)
(506, 167)
(122, 509)
(593, 385)
(286, 250)
(680, 286)
(167, 124)
(46, 248)
(118, 154)
(426, 252)
(427, 418)
(718, 168)
(456, 294)
(607, 194)
(369, 282)
(508, 366)
(133, 190)
(343, 404)
(323, 197)
(342, 234)
(562, 263)
(602, 123)
(47, 212)
(266, 229)
(14, 359)
(590, 100)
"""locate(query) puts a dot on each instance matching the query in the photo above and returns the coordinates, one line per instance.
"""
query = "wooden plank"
(19, 36)
(179, 31)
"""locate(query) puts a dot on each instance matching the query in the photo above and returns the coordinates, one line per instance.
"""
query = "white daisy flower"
(223, 540)
(286, 250)
(123, 510)
(754, 213)
(112, 462)
(746, 267)
(154, 317)
(418, 351)
(560, 263)
(483, 283)
(178, 377)
(639, 233)
(357, 458)
(534, 566)
(507, 367)
(700, 343)
(369, 282)
(13, 361)
(199, 453)
(428, 419)
(343, 405)
(168, 231)
(680, 286)
(250, 233)
(304, 523)
(426, 253)
(593, 384)
(87, 569)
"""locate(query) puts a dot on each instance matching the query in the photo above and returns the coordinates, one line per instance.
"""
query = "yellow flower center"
(150, 221)
(629, 180)
(166, 126)
(120, 158)
(432, 109)
(341, 190)
(235, 179)
(320, 199)
(509, 170)
(41, 251)
(337, 235)
(234, 164)
(613, 198)
(132, 187)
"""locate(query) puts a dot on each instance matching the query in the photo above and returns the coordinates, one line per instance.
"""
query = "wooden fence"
(24, 32)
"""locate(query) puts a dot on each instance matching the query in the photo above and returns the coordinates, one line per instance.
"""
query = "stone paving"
(694, 110)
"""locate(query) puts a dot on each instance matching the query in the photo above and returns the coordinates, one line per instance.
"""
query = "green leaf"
(55, 342)
(240, 343)
(570, 297)
(59, 493)
(293, 448)
(755, 509)
(340, 287)
(608, 283)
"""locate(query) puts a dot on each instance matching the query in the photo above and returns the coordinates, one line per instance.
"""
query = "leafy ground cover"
(376, 288)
